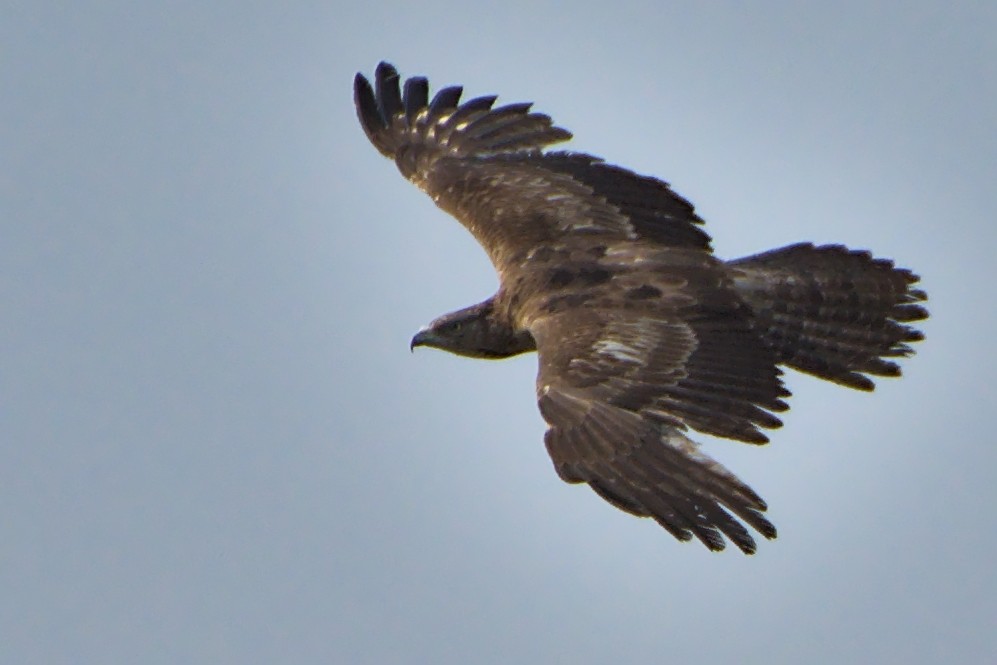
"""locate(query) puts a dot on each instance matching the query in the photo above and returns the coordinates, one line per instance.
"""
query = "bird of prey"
(641, 332)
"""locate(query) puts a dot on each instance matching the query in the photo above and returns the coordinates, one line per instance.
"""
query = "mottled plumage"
(641, 332)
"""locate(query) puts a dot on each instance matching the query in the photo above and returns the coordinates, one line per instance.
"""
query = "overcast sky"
(215, 446)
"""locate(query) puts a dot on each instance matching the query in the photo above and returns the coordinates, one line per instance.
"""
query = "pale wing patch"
(627, 354)
(629, 342)
(618, 350)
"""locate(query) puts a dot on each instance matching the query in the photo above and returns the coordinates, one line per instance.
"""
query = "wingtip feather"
(416, 97)
(387, 90)
(397, 117)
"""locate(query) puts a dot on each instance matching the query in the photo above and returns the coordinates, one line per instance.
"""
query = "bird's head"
(474, 332)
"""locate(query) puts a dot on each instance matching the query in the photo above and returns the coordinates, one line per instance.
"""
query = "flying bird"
(642, 333)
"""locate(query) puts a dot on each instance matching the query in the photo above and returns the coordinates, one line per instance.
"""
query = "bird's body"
(641, 331)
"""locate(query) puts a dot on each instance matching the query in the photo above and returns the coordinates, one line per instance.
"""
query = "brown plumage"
(641, 332)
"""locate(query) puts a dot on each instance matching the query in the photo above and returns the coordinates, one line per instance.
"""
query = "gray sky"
(215, 446)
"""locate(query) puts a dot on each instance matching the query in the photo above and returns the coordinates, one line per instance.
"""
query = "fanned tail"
(411, 130)
(832, 312)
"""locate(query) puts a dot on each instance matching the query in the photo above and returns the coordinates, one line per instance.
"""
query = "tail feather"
(409, 129)
(832, 312)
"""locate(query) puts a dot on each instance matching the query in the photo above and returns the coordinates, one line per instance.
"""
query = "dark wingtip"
(363, 97)
(363, 94)
(415, 97)
(396, 116)
(446, 100)
(747, 545)
(385, 70)
(369, 113)
(712, 539)
(387, 91)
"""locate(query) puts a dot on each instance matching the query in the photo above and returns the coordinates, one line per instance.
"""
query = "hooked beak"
(424, 337)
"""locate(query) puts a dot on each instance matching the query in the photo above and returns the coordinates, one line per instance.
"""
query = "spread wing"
(485, 165)
(621, 379)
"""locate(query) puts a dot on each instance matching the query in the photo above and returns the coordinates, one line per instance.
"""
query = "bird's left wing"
(619, 383)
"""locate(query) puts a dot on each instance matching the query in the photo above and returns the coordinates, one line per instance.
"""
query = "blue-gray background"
(215, 446)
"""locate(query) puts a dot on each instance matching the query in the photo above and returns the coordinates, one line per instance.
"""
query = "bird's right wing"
(416, 132)
(648, 469)
(485, 165)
